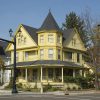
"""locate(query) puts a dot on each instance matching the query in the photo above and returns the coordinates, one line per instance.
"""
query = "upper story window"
(69, 55)
(58, 53)
(41, 53)
(50, 38)
(73, 42)
(26, 55)
(41, 38)
(58, 39)
(50, 53)
(78, 57)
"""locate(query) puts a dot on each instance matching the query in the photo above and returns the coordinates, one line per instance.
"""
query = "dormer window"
(41, 38)
(50, 38)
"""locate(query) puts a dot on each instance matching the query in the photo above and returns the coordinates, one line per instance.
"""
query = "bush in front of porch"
(83, 82)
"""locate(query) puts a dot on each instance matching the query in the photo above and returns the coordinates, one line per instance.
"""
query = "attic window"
(73, 42)
(24, 40)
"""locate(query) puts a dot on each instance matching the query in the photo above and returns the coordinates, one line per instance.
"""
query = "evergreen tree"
(74, 21)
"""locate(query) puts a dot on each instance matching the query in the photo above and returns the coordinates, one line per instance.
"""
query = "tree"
(74, 21)
(93, 34)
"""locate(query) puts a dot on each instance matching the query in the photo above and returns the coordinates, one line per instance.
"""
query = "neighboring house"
(5, 74)
(48, 54)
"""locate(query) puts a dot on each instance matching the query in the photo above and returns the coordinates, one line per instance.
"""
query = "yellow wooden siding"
(78, 45)
(29, 41)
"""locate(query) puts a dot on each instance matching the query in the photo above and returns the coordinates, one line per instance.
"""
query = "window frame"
(50, 55)
(41, 38)
(50, 38)
(41, 55)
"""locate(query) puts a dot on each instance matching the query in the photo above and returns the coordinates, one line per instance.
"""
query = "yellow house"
(48, 54)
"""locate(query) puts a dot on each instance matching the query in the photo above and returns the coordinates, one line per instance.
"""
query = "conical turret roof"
(49, 23)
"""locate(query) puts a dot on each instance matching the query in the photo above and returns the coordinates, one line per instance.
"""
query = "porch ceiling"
(48, 63)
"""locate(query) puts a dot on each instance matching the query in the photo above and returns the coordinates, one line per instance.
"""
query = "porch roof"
(47, 63)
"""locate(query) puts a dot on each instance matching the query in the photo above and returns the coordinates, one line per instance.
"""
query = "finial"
(49, 10)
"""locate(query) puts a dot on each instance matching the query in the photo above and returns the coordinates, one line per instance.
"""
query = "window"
(19, 41)
(73, 42)
(58, 39)
(26, 55)
(78, 57)
(50, 73)
(44, 73)
(41, 54)
(69, 55)
(24, 40)
(30, 55)
(50, 53)
(41, 39)
(58, 54)
(50, 38)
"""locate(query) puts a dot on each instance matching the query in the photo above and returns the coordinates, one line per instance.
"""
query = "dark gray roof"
(67, 35)
(48, 62)
(2, 51)
(32, 31)
(4, 45)
(49, 23)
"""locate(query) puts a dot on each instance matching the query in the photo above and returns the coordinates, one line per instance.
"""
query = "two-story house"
(48, 54)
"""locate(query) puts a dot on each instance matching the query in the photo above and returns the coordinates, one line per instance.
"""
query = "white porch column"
(41, 73)
(26, 74)
(84, 73)
(80, 72)
(41, 82)
(62, 76)
(74, 73)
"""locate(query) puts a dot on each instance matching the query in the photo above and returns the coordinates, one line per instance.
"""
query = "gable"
(23, 39)
(74, 41)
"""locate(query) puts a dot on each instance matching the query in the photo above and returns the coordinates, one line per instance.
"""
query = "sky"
(33, 12)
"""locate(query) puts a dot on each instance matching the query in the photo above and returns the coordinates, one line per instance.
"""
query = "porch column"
(81, 73)
(26, 74)
(41, 73)
(84, 73)
(41, 82)
(74, 73)
(62, 76)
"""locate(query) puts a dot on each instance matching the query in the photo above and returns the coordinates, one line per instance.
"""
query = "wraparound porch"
(47, 74)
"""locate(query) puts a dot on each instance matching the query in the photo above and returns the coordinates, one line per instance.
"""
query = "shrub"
(69, 79)
(68, 88)
(74, 88)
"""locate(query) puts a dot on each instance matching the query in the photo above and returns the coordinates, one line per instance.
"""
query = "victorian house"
(47, 54)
